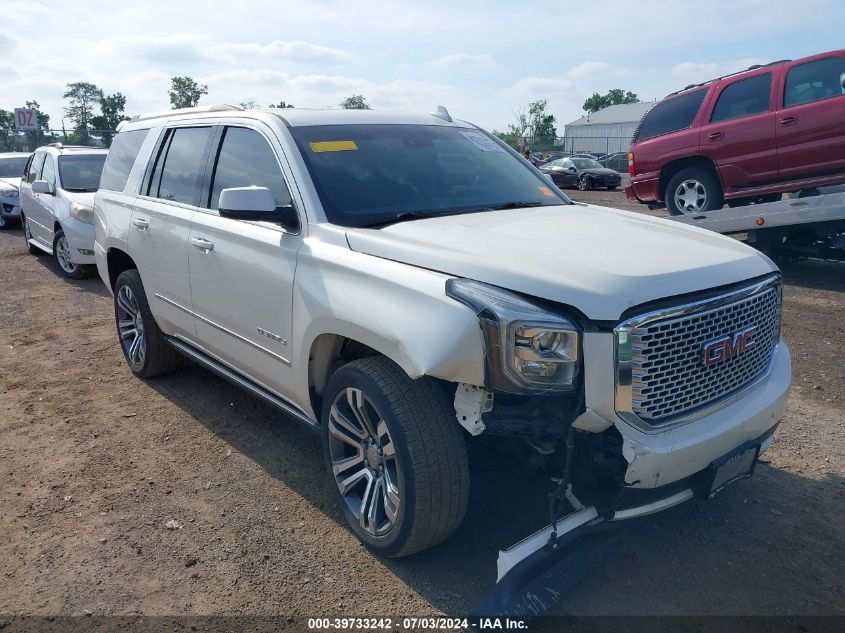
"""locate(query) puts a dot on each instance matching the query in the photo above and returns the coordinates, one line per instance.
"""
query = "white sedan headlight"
(82, 212)
(529, 348)
(8, 192)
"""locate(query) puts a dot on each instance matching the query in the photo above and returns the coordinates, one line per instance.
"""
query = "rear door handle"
(716, 136)
(141, 223)
(202, 244)
(788, 120)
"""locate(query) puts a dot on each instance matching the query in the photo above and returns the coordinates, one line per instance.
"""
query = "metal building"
(604, 132)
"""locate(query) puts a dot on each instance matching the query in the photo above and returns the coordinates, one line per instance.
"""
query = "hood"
(600, 261)
(82, 197)
(600, 171)
(11, 182)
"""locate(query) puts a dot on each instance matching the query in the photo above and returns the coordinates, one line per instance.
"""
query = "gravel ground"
(184, 496)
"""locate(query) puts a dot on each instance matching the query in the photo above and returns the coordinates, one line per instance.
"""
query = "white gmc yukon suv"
(409, 286)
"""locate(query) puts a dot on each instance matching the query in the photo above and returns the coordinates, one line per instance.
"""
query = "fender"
(399, 310)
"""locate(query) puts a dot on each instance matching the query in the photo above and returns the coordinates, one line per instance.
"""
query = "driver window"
(48, 172)
(246, 159)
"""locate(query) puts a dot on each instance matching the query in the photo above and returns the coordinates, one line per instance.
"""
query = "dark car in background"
(743, 138)
(617, 161)
(584, 173)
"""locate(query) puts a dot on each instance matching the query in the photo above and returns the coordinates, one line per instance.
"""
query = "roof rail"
(753, 67)
(196, 109)
(57, 145)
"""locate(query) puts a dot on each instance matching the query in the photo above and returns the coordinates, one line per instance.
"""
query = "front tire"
(62, 255)
(397, 456)
(693, 190)
(5, 223)
(584, 183)
(145, 349)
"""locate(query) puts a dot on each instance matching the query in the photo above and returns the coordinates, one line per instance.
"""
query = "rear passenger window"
(744, 98)
(671, 115)
(246, 159)
(122, 154)
(180, 161)
(35, 168)
(814, 81)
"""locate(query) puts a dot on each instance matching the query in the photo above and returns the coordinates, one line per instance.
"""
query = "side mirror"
(41, 186)
(572, 169)
(256, 204)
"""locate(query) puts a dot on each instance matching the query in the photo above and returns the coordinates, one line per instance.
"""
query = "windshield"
(585, 163)
(371, 174)
(12, 167)
(81, 172)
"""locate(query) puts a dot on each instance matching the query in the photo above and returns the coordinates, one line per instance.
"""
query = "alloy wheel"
(130, 327)
(364, 461)
(2, 222)
(582, 183)
(690, 196)
(63, 255)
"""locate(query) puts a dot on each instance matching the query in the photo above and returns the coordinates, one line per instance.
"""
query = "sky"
(483, 60)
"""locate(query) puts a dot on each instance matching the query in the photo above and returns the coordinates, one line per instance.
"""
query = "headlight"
(529, 349)
(82, 212)
(8, 193)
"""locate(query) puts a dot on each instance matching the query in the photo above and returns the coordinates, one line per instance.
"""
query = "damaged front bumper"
(664, 470)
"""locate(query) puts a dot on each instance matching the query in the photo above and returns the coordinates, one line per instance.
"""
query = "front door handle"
(788, 120)
(140, 223)
(202, 244)
(716, 136)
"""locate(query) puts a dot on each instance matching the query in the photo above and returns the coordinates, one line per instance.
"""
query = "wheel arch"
(118, 261)
(673, 167)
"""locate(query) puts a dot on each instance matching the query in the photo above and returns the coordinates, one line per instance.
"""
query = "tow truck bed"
(801, 227)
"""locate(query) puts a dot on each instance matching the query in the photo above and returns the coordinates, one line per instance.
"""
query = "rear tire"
(396, 455)
(693, 190)
(145, 349)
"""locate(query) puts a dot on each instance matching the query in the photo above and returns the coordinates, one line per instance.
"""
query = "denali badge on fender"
(720, 350)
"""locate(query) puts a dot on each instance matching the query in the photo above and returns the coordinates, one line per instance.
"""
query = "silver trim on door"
(225, 330)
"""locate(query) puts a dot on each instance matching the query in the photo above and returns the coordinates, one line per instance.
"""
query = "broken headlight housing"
(529, 348)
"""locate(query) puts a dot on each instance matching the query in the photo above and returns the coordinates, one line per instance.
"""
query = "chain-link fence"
(27, 141)
(610, 151)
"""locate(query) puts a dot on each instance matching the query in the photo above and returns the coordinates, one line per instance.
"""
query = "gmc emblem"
(727, 347)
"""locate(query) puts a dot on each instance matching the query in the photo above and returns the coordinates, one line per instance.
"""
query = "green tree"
(282, 104)
(616, 96)
(185, 92)
(248, 105)
(112, 113)
(82, 98)
(7, 130)
(355, 102)
(536, 124)
(43, 118)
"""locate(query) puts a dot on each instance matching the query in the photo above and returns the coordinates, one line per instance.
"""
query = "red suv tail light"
(631, 164)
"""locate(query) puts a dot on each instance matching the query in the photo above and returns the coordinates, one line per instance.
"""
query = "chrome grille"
(663, 355)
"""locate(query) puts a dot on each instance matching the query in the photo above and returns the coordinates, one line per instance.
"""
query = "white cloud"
(588, 69)
(539, 86)
(482, 60)
(291, 51)
(698, 72)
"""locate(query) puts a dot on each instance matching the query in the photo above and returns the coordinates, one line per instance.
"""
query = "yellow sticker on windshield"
(333, 146)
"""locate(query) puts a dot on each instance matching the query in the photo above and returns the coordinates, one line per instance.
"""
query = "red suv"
(747, 137)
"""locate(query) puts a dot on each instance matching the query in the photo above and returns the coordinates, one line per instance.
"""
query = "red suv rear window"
(670, 115)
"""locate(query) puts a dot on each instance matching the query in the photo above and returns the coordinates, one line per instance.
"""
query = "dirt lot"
(95, 463)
